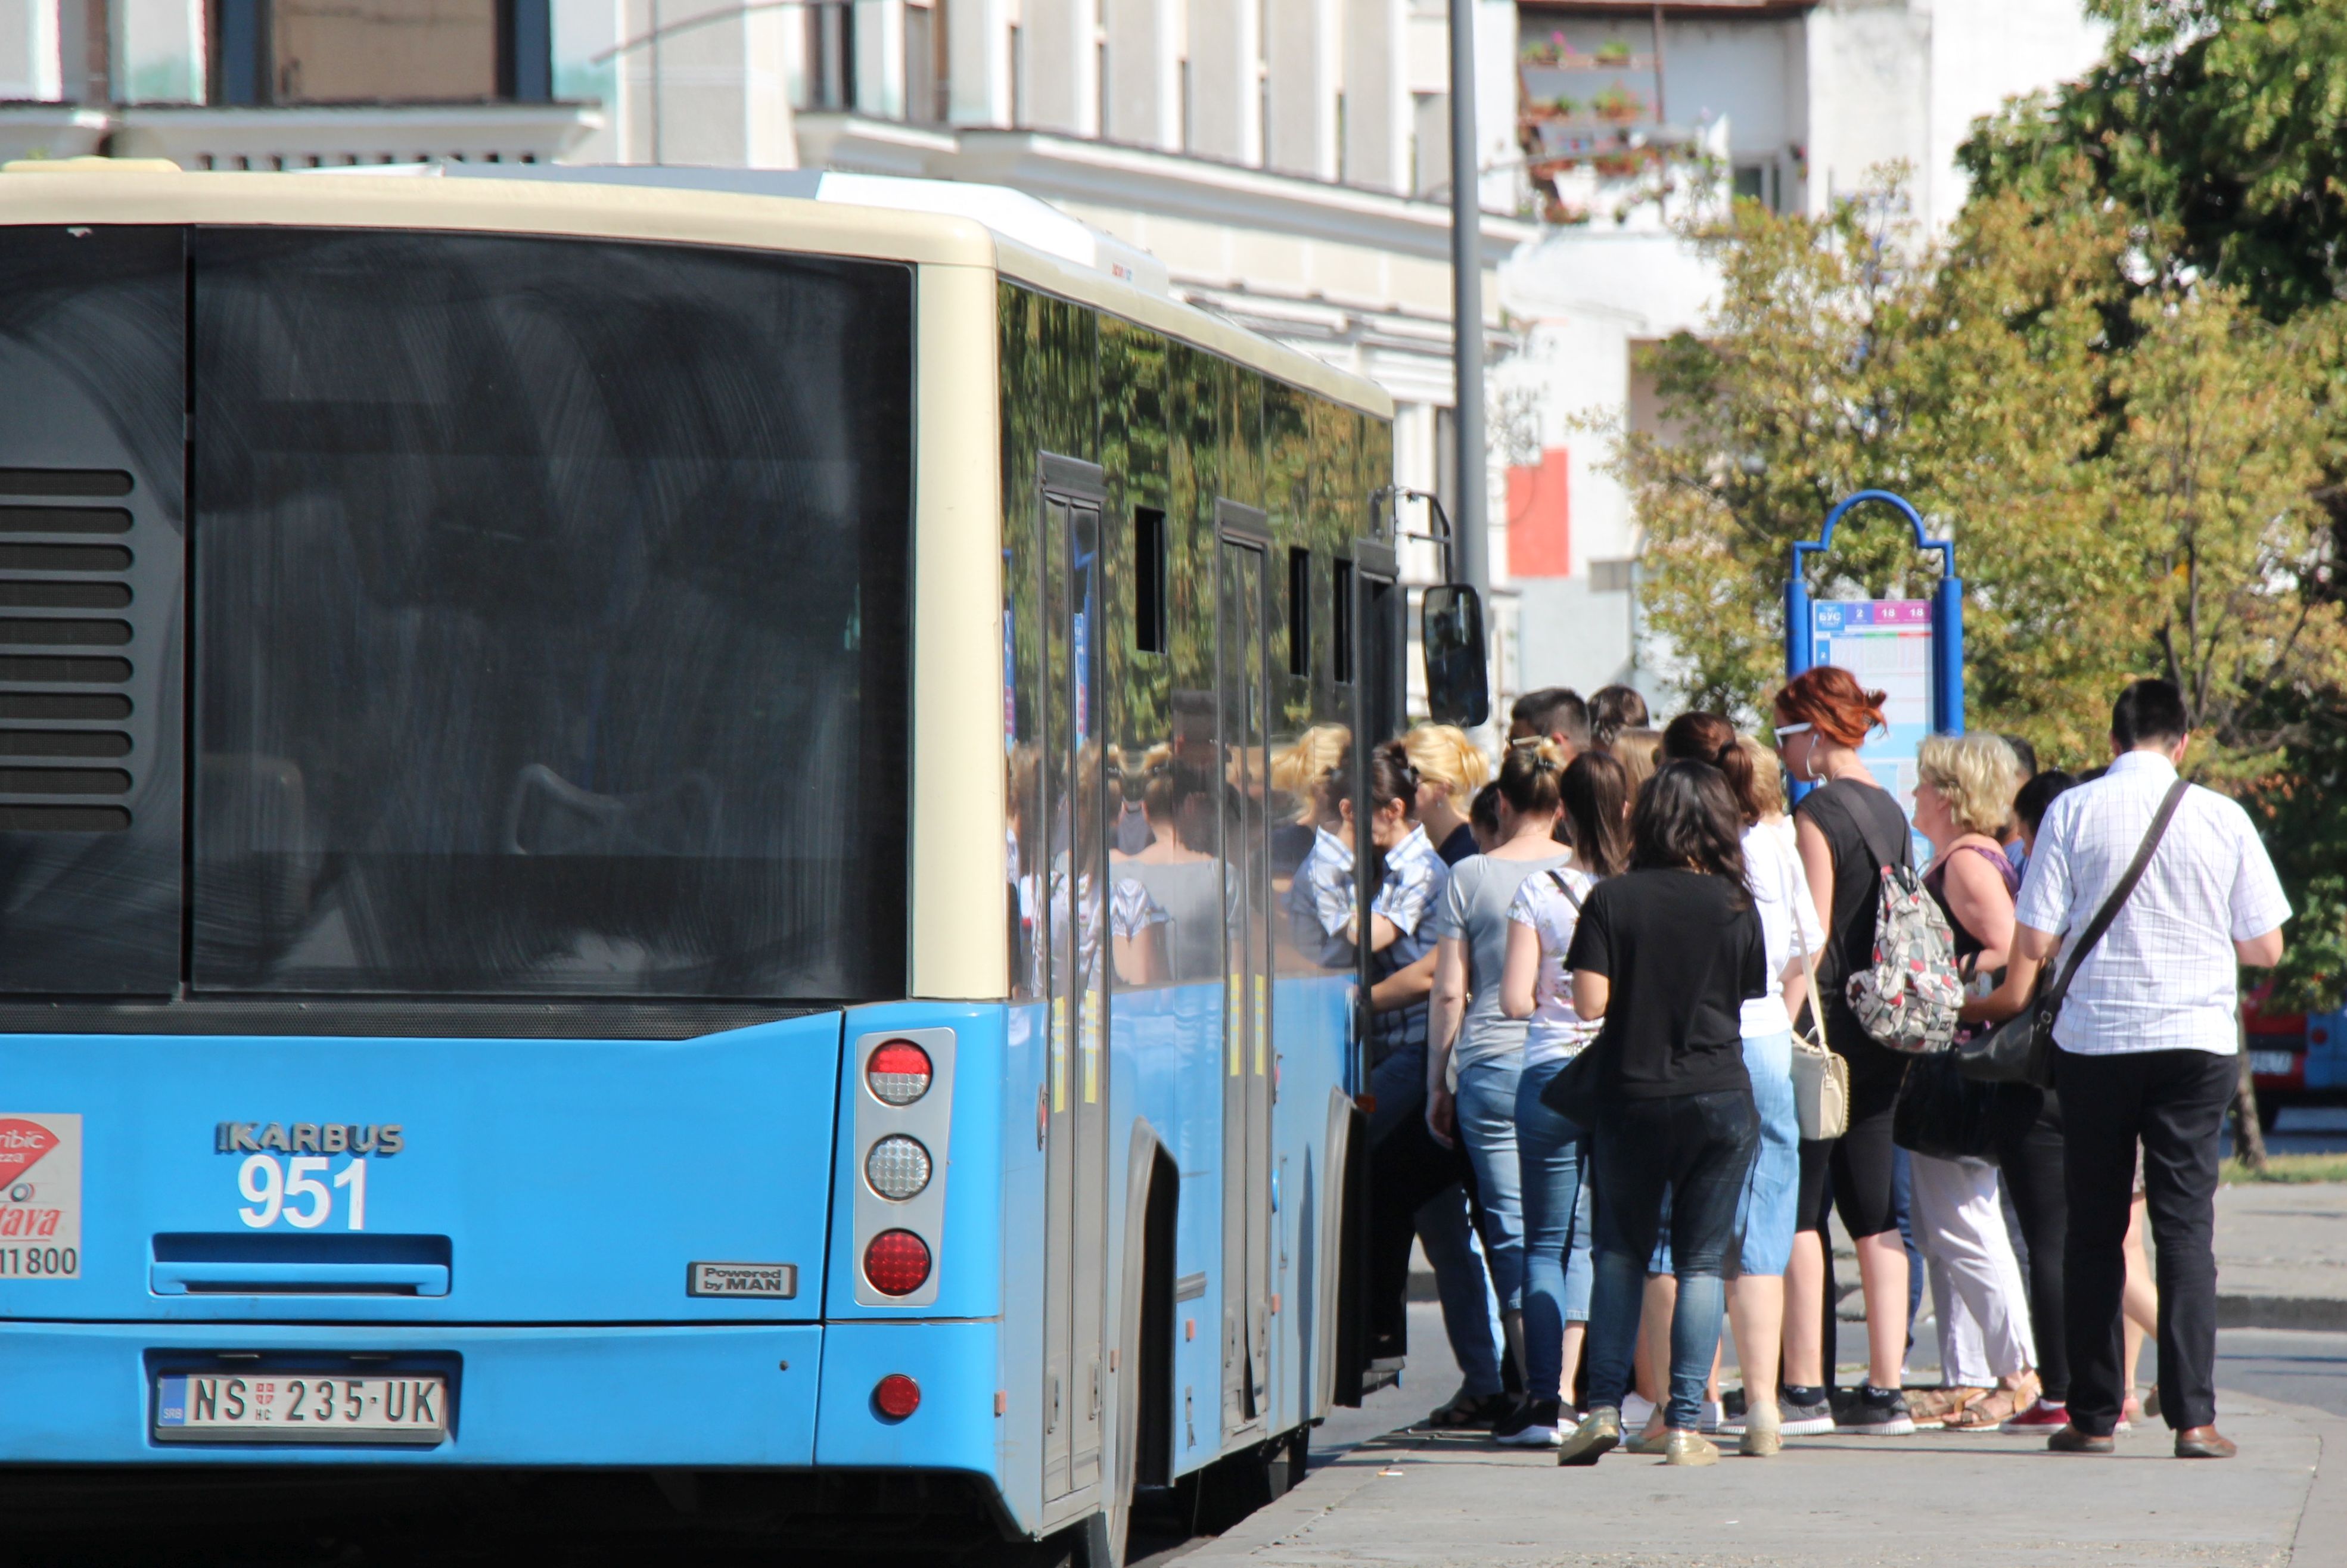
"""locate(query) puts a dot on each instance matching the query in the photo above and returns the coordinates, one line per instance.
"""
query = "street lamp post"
(1471, 530)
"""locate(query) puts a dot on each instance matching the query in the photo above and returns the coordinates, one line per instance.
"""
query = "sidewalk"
(1932, 1501)
(2281, 1258)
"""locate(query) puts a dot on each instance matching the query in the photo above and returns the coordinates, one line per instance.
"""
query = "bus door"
(1244, 685)
(1076, 939)
(1377, 631)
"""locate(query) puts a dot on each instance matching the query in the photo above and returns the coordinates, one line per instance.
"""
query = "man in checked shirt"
(2147, 1038)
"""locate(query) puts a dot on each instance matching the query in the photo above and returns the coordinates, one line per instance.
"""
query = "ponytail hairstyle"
(1829, 700)
(1529, 778)
(1612, 710)
(1708, 738)
(1687, 818)
(1596, 793)
(1394, 777)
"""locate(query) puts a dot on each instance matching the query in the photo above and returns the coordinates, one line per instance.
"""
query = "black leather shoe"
(2071, 1441)
(2204, 1442)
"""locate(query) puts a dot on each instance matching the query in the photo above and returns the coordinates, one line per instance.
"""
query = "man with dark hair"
(2147, 1041)
(1556, 713)
(2026, 753)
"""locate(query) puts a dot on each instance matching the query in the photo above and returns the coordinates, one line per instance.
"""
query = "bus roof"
(938, 222)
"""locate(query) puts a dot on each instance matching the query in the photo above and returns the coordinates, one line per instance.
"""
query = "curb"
(2322, 1314)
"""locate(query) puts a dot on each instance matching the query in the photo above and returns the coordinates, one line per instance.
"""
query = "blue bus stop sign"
(1911, 649)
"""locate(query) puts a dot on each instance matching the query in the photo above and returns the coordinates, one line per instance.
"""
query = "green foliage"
(2219, 125)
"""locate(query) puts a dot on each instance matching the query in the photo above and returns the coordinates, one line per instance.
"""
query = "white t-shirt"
(1780, 895)
(1554, 1031)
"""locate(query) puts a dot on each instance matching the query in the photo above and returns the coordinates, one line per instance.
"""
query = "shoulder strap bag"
(1821, 1077)
(2020, 1049)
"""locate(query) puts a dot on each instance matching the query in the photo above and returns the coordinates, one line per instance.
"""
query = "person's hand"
(1442, 1116)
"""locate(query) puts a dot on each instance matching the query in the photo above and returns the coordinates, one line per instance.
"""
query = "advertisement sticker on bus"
(40, 1195)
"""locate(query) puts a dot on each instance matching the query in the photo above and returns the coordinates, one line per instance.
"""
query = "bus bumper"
(728, 1396)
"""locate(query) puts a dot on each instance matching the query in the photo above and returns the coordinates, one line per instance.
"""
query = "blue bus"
(646, 821)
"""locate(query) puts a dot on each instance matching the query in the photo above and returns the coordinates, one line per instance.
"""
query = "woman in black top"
(1849, 829)
(1666, 955)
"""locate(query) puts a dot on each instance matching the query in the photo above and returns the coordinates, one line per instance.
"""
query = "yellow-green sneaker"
(1599, 1432)
(1689, 1447)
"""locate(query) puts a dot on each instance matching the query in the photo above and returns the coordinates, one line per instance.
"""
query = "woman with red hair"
(1847, 829)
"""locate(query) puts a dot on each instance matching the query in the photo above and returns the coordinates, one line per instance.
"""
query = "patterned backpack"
(1907, 999)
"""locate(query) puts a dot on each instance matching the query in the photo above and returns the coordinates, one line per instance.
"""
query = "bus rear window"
(550, 618)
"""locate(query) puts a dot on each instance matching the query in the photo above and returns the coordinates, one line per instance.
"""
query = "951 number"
(300, 1191)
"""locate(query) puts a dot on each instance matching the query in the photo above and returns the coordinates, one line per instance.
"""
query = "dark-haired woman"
(1849, 829)
(1466, 1026)
(1790, 926)
(1666, 955)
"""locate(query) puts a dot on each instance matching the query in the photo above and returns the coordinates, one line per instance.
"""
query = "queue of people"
(1642, 1031)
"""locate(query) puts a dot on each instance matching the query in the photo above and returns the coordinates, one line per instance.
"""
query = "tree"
(2129, 480)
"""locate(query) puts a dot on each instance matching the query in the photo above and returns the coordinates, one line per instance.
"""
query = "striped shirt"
(2164, 976)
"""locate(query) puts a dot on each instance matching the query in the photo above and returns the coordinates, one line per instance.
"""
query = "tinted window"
(550, 618)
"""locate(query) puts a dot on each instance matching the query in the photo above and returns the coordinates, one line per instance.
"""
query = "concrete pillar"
(29, 51)
(1376, 95)
(1062, 71)
(879, 64)
(1300, 72)
(159, 51)
(1226, 78)
(717, 94)
(978, 56)
(1142, 99)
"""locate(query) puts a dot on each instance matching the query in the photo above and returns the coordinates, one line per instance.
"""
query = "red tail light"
(897, 1263)
(897, 1396)
(899, 1072)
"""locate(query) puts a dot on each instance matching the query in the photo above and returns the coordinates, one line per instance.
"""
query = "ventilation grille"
(64, 665)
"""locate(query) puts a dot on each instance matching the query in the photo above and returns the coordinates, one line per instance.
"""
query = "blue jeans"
(1447, 1235)
(1697, 1148)
(1552, 1156)
(1487, 1126)
(1765, 1216)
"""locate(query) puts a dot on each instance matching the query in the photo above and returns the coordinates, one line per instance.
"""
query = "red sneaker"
(2044, 1416)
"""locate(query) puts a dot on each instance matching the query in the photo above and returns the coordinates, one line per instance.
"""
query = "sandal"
(1467, 1411)
(2000, 1405)
(1940, 1407)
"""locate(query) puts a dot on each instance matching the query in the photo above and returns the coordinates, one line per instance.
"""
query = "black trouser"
(2032, 1161)
(1407, 1169)
(2175, 1102)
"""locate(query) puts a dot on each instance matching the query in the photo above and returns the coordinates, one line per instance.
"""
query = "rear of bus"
(454, 748)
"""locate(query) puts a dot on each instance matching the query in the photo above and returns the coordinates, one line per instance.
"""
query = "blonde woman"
(1450, 769)
(1963, 798)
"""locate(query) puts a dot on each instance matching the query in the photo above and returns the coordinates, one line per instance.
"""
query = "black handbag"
(1578, 1092)
(2021, 1049)
(1942, 1113)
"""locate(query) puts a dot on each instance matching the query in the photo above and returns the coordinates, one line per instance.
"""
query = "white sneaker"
(1635, 1412)
(1714, 1415)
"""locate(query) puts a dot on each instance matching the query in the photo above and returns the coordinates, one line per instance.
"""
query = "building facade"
(1287, 162)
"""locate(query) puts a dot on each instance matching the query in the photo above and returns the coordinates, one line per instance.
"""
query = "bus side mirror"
(1451, 634)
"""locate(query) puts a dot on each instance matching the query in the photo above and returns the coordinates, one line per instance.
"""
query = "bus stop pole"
(1470, 516)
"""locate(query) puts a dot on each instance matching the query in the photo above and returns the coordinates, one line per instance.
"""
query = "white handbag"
(1820, 1076)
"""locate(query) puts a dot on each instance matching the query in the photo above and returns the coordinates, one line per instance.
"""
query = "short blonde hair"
(1443, 755)
(1640, 753)
(1768, 776)
(1977, 775)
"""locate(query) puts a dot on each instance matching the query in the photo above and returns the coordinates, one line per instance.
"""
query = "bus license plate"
(298, 1408)
(2271, 1063)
